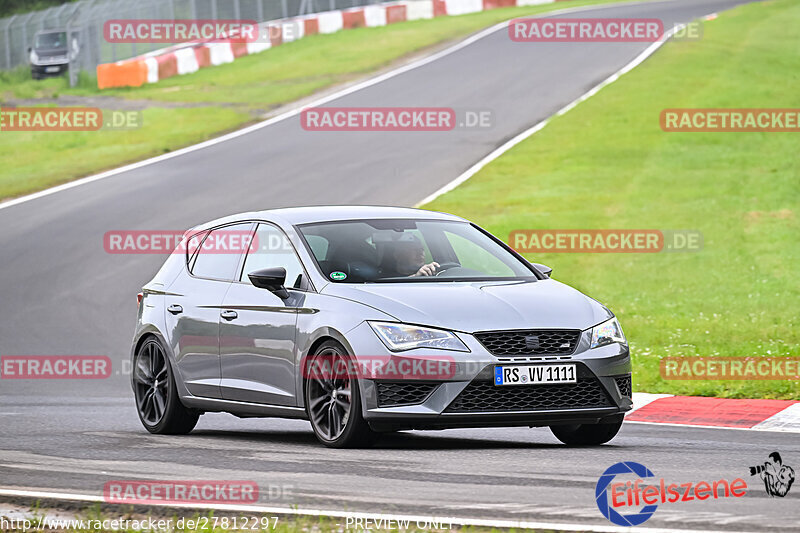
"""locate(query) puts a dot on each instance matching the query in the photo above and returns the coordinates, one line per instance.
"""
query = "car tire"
(157, 403)
(586, 434)
(333, 402)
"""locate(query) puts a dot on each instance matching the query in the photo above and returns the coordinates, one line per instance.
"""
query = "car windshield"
(51, 40)
(387, 250)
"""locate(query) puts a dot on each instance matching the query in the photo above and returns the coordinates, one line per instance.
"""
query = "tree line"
(12, 7)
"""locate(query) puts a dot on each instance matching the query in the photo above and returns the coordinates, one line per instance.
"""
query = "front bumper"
(49, 70)
(468, 397)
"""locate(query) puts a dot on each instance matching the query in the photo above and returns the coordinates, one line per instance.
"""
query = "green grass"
(31, 161)
(17, 83)
(607, 164)
(231, 93)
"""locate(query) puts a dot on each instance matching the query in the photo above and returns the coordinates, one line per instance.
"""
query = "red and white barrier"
(375, 16)
(330, 22)
(419, 10)
(189, 57)
(461, 7)
(259, 46)
(186, 60)
(152, 69)
(220, 53)
(293, 30)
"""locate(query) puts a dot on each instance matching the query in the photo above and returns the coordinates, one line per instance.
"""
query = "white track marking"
(296, 110)
(288, 511)
(474, 169)
(754, 428)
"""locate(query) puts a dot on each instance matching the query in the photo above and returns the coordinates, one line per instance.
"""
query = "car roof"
(330, 213)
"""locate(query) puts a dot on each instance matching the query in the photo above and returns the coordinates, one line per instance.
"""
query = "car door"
(258, 328)
(193, 306)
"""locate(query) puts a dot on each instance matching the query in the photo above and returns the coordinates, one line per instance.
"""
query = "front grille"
(530, 342)
(624, 385)
(393, 394)
(485, 396)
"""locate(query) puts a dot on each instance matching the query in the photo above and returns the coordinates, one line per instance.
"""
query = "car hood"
(470, 307)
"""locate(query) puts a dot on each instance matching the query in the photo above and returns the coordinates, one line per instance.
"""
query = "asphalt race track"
(509, 474)
(62, 294)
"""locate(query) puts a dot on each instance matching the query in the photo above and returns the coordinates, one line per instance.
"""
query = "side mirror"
(543, 269)
(271, 279)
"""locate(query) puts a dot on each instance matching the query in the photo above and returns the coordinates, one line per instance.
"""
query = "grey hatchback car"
(367, 320)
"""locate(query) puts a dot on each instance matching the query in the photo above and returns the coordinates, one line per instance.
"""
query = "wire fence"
(84, 21)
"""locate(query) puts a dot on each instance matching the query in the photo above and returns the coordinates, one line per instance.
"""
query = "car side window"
(219, 253)
(273, 249)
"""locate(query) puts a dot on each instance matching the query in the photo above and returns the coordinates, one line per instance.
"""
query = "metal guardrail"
(85, 20)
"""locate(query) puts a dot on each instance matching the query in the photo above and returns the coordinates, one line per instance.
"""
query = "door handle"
(229, 315)
(175, 309)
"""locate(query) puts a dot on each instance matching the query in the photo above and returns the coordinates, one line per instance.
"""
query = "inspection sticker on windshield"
(534, 374)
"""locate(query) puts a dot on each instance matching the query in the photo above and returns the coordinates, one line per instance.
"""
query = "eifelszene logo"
(601, 494)
(777, 477)
(635, 493)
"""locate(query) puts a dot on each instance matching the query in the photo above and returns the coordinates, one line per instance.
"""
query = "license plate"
(52, 69)
(534, 374)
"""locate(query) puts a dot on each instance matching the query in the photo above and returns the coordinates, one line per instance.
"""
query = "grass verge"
(232, 95)
(607, 164)
(31, 161)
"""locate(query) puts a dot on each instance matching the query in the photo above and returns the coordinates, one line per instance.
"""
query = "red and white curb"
(700, 411)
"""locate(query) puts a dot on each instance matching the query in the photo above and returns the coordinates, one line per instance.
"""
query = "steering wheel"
(446, 266)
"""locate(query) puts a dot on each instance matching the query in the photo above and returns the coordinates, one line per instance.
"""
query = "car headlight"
(34, 57)
(608, 332)
(399, 337)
